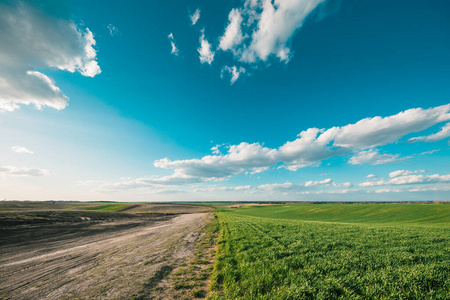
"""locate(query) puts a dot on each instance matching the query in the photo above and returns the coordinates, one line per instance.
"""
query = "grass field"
(109, 207)
(333, 251)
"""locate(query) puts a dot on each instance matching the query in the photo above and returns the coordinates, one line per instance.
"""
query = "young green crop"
(270, 252)
(109, 207)
(383, 213)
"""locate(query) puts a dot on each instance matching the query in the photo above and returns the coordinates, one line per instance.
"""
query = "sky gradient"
(304, 100)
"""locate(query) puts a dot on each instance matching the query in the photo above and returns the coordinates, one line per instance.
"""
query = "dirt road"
(109, 259)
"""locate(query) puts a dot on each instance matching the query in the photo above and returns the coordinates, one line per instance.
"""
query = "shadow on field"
(154, 281)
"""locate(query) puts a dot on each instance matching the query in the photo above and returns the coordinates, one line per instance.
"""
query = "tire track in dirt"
(77, 248)
(116, 263)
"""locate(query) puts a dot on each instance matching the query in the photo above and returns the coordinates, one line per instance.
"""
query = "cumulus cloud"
(238, 159)
(409, 179)
(175, 50)
(268, 28)
(301, 187)
(345, 184)
(378, 131)
(15, 171)
(404, 173)
(233, 33)
(334, 184)
(195, 16)
(387, 191)
(313, 183)
(20, 149)
(442, 134)
(399, 173)
(279, 186)
(312, 146)
(309, 187)
(216, 149)
(206, 54)
(371, 176)
(112, 30)
(373, 157)
(257, 170)
(31, 39)
(233, 71)
(431, 188)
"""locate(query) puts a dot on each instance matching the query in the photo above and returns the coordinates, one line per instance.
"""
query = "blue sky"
(291, 100)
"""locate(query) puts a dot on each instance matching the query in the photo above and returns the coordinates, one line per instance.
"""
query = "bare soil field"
(73, 254)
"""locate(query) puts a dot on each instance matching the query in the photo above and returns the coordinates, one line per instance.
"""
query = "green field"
(109, 207)
(333, 251)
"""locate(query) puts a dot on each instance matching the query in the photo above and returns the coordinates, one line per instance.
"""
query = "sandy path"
(122, 259)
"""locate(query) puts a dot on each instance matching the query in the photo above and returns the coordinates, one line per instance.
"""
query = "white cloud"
(215, 149)
(233, 34)
(20, 149)
(309, 187)
(442, 134)
(409, 179)
(279, 186)
(398, 173)
(378, 131)
(195, 16)
(164, 184)
(371, 176)
(313, 183)
(373, 157)
(112, 30)
(430, 152)
(206, 54)
(179, 184)
(287, 189)
(268, 26)
(31, 39)
(312, 146)
(257, 170)
(345, 184)
(234, 71)
(445, 187)
(404, 173)
(224, 188)
(174, 50)
(372, 183)
(308, 149)
(344, 191)
(15, 171)
(438, 178)
(387, 191)
(150, 182)
(237, 160)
